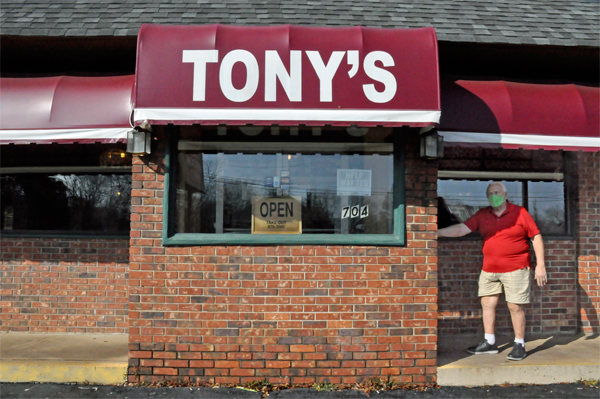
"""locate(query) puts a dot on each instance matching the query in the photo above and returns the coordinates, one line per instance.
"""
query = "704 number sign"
(355, 211)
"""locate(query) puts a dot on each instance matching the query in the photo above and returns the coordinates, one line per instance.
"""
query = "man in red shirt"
(505, 229)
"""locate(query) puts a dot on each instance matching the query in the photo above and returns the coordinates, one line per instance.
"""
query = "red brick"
(302, 348)
(151, 363)
(165, 371)
(277, 364)
(226, 364)
(140, 354)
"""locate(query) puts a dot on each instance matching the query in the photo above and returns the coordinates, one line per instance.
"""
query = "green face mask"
(496, 200)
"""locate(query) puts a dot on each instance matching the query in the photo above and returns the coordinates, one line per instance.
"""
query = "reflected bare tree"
(98, 202)
(66, 202)
(550, 220)
(318, 212)
(196, 193)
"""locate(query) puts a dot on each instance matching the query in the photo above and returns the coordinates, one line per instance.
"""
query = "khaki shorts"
(516, 285)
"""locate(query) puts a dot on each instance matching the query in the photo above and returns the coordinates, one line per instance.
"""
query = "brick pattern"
(290, 314)
(63, 285)
(553, 309)
(459, 266)
(588, 242)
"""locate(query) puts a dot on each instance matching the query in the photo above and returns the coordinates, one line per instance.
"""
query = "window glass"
(216, 196)
(62, 189)
(547, 206)
(460, 199)
(340, 186)
(535, 179)
(65, 203)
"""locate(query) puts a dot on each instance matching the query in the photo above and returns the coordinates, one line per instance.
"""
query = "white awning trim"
(520, 139)
(286, 115)
(23, 136)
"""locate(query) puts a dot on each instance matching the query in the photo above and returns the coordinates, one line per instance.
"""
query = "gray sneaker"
(517, 353)
(483, 348)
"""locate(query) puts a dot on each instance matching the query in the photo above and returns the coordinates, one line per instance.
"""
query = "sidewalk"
(102, 359)
(95, 358)
(550, 360)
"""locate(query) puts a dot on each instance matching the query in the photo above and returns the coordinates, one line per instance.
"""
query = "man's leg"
(489, 292)
(517, 288)
(517, 315)
(488, 305)
(488, 345)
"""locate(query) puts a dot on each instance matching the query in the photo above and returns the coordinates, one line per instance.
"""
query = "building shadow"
(558, 340)
(587, 304)
(464, 111)
(452, 347)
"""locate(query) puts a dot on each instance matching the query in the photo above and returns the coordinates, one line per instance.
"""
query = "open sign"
(276, 215)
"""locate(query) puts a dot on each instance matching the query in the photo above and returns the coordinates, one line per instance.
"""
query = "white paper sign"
(354, 182)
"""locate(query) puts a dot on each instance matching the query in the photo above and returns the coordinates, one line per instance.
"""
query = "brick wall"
(63, 285)
(588, 242)
(553, 309)
(568, 304)
(290, 314)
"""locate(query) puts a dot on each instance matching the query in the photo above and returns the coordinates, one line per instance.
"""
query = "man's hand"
(540, 275)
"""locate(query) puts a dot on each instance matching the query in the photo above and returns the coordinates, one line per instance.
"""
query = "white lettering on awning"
(291, 81)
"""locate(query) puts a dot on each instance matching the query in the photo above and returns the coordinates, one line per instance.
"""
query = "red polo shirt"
(505, 245)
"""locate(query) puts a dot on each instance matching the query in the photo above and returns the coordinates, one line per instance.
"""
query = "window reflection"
(460, 199)
(74, 203)
(215, 190)
(547, 206)
(463, 198)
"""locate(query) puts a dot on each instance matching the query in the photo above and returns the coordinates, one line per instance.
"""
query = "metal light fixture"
(138, 142)
(432, 145)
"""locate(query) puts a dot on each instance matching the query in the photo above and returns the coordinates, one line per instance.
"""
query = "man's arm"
(540, 268)
(457, 230)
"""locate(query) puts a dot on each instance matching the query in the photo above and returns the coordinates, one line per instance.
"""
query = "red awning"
(65, 109)
(519, 115)
(286, 75)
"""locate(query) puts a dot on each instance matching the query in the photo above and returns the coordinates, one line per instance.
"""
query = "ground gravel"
(60, 391)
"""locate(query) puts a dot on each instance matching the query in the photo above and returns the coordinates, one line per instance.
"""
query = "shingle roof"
(536, 22)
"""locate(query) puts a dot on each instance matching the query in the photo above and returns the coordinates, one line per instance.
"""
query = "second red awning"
(521, 115)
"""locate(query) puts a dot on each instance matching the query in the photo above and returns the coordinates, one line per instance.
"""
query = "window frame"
(397, 238)
(524, 178)
(121, 170)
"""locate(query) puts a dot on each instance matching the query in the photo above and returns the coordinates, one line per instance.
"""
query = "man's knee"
(490, 301)
(515, 307)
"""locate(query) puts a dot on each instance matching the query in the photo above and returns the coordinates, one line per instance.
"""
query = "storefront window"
(460, 199)
(534, 179)
(546, 203)
(86, 192)
(305, 184)
(88, 203)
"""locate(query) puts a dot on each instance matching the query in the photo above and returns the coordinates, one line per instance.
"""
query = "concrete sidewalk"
(550, 360)
(95, 358)
(102, 359)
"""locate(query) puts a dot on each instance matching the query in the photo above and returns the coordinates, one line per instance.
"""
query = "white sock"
(490, 338)
(520, 341)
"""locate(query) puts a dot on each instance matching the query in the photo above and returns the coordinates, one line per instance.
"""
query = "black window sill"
(56, 234)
